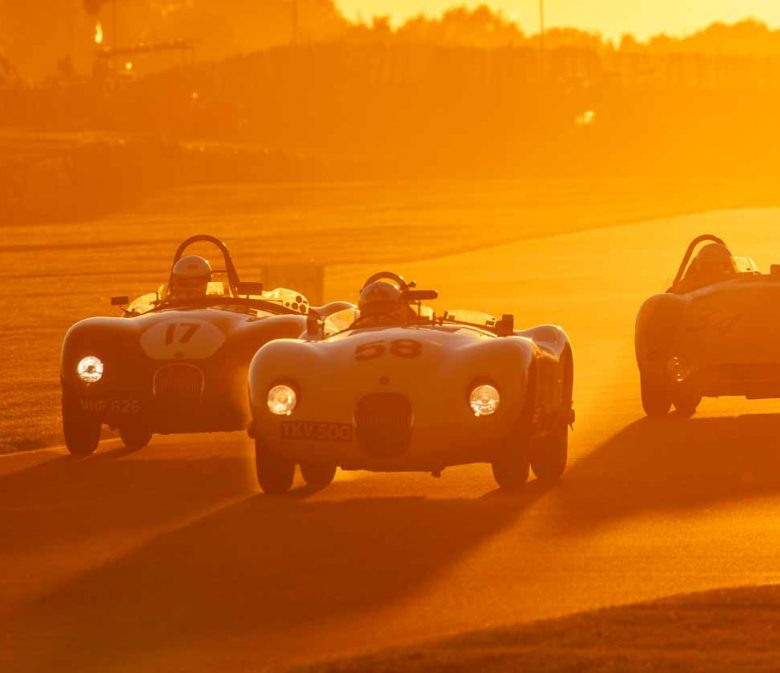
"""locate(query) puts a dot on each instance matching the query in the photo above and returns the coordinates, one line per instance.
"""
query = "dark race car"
(177, 360)
(715, 332)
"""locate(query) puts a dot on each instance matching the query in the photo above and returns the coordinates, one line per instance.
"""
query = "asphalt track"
(168, 559)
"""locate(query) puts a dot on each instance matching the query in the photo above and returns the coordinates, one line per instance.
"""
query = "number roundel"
(181, 339)
(400, 348)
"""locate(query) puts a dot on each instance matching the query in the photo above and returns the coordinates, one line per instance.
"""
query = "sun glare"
(98, 33)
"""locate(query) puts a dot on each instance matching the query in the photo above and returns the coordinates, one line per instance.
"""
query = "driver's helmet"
(381, 299)
(190, 278)
(713, 264)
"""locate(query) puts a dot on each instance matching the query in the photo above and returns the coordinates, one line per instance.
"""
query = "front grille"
(384, 424)
(178, 380)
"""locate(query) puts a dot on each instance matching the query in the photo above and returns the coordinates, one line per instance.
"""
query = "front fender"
(656, 331)
(110, 339)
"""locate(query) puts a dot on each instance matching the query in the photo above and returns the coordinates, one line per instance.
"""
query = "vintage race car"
(714, 332)
(418, 393)
(169, 366)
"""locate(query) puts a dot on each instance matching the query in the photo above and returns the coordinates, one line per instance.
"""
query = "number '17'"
(185, 336)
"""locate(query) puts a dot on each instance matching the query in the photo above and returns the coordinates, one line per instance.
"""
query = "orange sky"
(610, 17)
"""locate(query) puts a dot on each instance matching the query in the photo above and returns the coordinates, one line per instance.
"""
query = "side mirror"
(247, 289)
(122, 300)
(506, 326)
(420, 295)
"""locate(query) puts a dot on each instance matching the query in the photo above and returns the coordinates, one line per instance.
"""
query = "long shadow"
(259, 565)
(65, 500)
(671, 465)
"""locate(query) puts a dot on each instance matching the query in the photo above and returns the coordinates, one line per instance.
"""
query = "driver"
(381, 303)
(190, 279)
(713, 264)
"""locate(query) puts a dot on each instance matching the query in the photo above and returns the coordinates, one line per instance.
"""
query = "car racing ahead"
(177, 360)
(395, 387)
(714, 332)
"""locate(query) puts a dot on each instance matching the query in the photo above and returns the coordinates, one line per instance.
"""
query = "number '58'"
(401, 348)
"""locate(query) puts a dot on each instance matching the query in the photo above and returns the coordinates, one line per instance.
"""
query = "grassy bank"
(716, 632)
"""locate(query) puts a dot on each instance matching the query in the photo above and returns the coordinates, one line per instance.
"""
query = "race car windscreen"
(476, 318)
(339, 321)
(144, 303)
(425, 312)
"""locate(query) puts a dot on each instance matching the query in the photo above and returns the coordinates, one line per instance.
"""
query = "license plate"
(96, 406)
(316, 431)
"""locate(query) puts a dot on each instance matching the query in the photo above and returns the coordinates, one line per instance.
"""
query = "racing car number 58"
(401, 348)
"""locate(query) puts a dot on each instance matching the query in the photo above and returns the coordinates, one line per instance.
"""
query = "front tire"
(511, 467)
(134, 437)
(275, 473)
(656, 398)
(551, 454)
(317, 474)
(81, 430)
(686, 403)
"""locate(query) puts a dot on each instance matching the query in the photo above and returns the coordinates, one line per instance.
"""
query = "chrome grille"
(384, 424)
(178, 380)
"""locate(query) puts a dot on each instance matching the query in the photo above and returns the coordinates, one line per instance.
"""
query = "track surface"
(168, 558)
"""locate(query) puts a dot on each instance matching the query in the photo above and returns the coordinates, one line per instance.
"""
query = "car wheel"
(656, 398)
(317, 474)
(686, 403)
(551, 453)
(275, 473)
(510, 469)
(134, 437)
(81, 430)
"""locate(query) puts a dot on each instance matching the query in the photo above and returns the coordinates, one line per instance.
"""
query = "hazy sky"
(610, 17)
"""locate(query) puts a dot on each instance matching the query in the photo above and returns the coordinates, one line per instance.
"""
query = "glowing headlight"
(282, 400)
(90, 369)
(484, 400)
(677, 369)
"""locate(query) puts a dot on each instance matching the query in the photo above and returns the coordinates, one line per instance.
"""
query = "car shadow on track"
(65, 500)
(260, 565)
(669, 465)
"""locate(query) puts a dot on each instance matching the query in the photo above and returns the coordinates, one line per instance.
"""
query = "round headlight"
(484, 400)
(282, 400)
(90, 369)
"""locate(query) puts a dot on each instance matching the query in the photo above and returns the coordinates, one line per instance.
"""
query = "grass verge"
(715, 632)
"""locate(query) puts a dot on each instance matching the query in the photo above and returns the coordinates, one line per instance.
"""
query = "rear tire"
(656, 398)
(275, 473)
(81, 430)
(317, 474)
(134, 437)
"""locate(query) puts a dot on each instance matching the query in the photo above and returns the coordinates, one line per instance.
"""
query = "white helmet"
(190, 278)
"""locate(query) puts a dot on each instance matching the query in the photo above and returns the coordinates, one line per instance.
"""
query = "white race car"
(394, 387)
